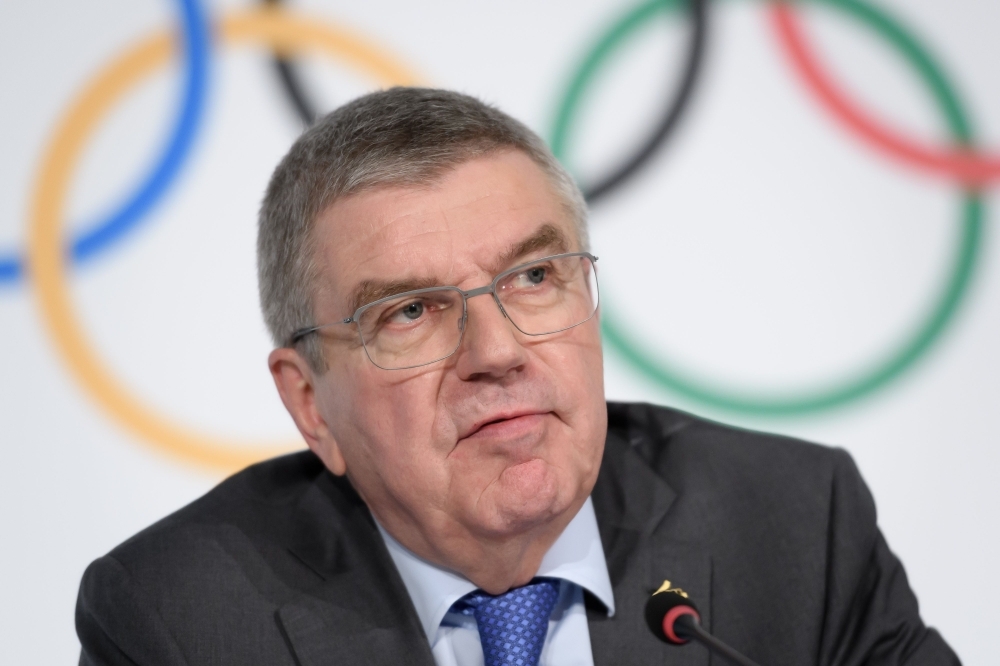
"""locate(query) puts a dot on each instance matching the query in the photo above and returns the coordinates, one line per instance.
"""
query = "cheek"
(577, 369)
(385, 426)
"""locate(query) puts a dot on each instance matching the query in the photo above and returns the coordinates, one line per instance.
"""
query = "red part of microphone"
(670, 619)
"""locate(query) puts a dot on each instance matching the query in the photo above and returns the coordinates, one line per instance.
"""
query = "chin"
(526, 496)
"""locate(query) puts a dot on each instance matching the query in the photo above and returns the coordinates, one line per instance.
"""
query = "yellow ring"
(46, 261)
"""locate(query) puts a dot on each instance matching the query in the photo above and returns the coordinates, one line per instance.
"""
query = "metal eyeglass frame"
(466, 295)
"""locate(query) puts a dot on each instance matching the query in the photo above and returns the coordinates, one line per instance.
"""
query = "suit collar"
(628, 494)
(576, 556)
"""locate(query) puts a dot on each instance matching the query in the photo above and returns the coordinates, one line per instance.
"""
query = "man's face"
(506, 434)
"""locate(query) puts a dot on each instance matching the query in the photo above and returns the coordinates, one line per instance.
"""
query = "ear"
(296, 385)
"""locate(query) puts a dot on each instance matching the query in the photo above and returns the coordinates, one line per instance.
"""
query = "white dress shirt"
(576, 559)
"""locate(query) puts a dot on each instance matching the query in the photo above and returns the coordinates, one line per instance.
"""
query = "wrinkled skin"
(478, 462)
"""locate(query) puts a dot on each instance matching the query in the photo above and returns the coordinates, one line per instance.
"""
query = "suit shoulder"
(256, 500)
(655, 432)
(697, 455)
(219, 567)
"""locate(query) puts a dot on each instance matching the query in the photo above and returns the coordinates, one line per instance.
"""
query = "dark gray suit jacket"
(282, 564)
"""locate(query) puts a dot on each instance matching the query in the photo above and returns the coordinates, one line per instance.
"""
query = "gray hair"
(400, 136)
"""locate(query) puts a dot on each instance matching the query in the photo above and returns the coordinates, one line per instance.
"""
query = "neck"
(493, 563)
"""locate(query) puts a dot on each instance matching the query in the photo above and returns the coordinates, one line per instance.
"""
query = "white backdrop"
(766, 249)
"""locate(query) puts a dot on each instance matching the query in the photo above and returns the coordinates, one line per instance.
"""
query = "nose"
(490, 345)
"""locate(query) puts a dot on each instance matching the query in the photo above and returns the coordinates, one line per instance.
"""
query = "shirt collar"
(576, 556)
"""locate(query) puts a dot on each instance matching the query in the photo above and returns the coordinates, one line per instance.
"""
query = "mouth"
(505, 426)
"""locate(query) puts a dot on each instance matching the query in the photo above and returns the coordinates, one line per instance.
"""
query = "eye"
(409, 312)
(528, 278)
(535, 275)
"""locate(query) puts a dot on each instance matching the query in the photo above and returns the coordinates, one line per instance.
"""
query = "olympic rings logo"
(287, 35)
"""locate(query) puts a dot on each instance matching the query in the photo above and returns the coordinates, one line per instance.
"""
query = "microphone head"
(663, 610)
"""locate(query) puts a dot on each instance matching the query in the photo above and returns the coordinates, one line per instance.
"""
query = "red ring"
(671, 617)
(965, 165)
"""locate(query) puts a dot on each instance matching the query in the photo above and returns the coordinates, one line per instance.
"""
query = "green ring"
(867, 380)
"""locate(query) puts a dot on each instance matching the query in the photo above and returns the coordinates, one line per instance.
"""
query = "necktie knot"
(512, 625)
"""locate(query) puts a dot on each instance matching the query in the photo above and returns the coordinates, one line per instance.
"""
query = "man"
(468, 497)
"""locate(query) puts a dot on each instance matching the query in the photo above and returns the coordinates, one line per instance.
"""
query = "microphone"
(674, 619)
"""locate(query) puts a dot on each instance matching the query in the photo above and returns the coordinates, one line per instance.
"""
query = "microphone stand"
(692, 629)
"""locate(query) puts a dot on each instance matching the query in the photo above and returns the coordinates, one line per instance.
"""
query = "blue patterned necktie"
(512, 625)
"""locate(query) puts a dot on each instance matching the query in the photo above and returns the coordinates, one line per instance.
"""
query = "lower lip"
(519, 426)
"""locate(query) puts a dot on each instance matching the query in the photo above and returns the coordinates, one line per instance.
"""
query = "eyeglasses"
(424, 326)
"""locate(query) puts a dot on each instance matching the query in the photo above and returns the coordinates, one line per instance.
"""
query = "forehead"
(452, 231)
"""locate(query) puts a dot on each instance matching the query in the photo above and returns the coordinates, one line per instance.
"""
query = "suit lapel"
(322, 633)
(358, 611)
(632, 503)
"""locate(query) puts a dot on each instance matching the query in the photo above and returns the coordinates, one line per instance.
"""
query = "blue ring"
(101, 235)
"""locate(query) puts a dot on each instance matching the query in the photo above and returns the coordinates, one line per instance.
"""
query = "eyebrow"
(547, 237)
(370, 291)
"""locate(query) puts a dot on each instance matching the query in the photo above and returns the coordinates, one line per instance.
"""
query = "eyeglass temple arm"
(303, 332)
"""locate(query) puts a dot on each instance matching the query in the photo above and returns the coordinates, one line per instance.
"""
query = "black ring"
(291, 83)
(669, 122)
